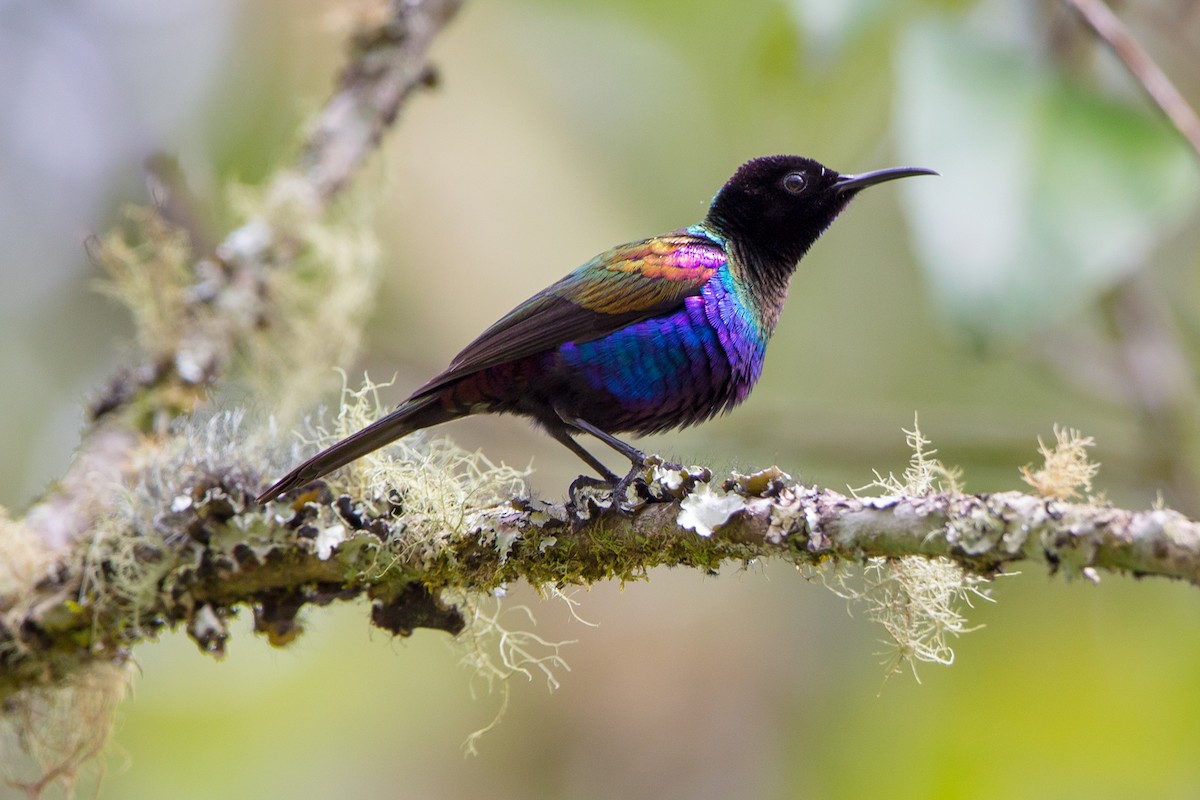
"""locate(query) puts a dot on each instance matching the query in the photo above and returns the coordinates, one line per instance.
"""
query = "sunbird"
(660, 333)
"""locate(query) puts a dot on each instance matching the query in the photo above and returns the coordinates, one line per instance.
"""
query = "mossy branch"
(209, 548)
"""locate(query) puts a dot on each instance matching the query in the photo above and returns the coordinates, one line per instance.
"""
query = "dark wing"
(616, 288)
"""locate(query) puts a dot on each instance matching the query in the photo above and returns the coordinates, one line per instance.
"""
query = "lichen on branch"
(424, 529)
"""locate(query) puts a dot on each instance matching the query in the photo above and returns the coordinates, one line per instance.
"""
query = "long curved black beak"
(849, 183)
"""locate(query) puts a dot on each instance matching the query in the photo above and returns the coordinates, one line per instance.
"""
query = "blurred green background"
(1049, 276)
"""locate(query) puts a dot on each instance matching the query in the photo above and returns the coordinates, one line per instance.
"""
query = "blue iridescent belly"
(676, 369)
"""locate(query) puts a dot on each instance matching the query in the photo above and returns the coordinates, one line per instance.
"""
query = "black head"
(775, 207)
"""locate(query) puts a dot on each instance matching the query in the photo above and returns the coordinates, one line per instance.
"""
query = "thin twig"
(1100, 18)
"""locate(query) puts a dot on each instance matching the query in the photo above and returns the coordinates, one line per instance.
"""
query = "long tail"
(411, 416)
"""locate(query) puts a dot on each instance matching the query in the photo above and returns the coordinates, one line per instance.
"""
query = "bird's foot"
(627, 500)
(586, 483)
(590, 496)
(649, 480)
(656, 480)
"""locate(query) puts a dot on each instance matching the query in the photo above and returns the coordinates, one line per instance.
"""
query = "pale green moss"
(147, 269)
(318, 305)
(924, 475)
(917, 600)
(1066, 471)
(49, 735)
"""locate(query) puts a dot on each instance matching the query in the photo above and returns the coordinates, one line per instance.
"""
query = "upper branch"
(389, 63)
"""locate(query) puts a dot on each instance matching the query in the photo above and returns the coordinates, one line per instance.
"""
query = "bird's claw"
(650, 480)
(636, 481)
(590, 496)
(586, 482)
(656, 480)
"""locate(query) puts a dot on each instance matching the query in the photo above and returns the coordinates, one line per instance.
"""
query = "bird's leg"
(580, 485)
(560, 435)
(637, 459)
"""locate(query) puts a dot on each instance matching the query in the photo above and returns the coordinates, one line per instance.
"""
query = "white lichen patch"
(504, 542)
(705, 510)
(767, 482)
(329, 538)
(191, 485)
(671, 479)
(882, 502)
(26, 560)
(251, 242)
(974, 530)
(207, 626)
(541, 512)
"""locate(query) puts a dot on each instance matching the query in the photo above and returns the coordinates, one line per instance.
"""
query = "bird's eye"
(794, 182)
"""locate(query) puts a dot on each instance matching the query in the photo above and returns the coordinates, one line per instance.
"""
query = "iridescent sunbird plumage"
(650, 335)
